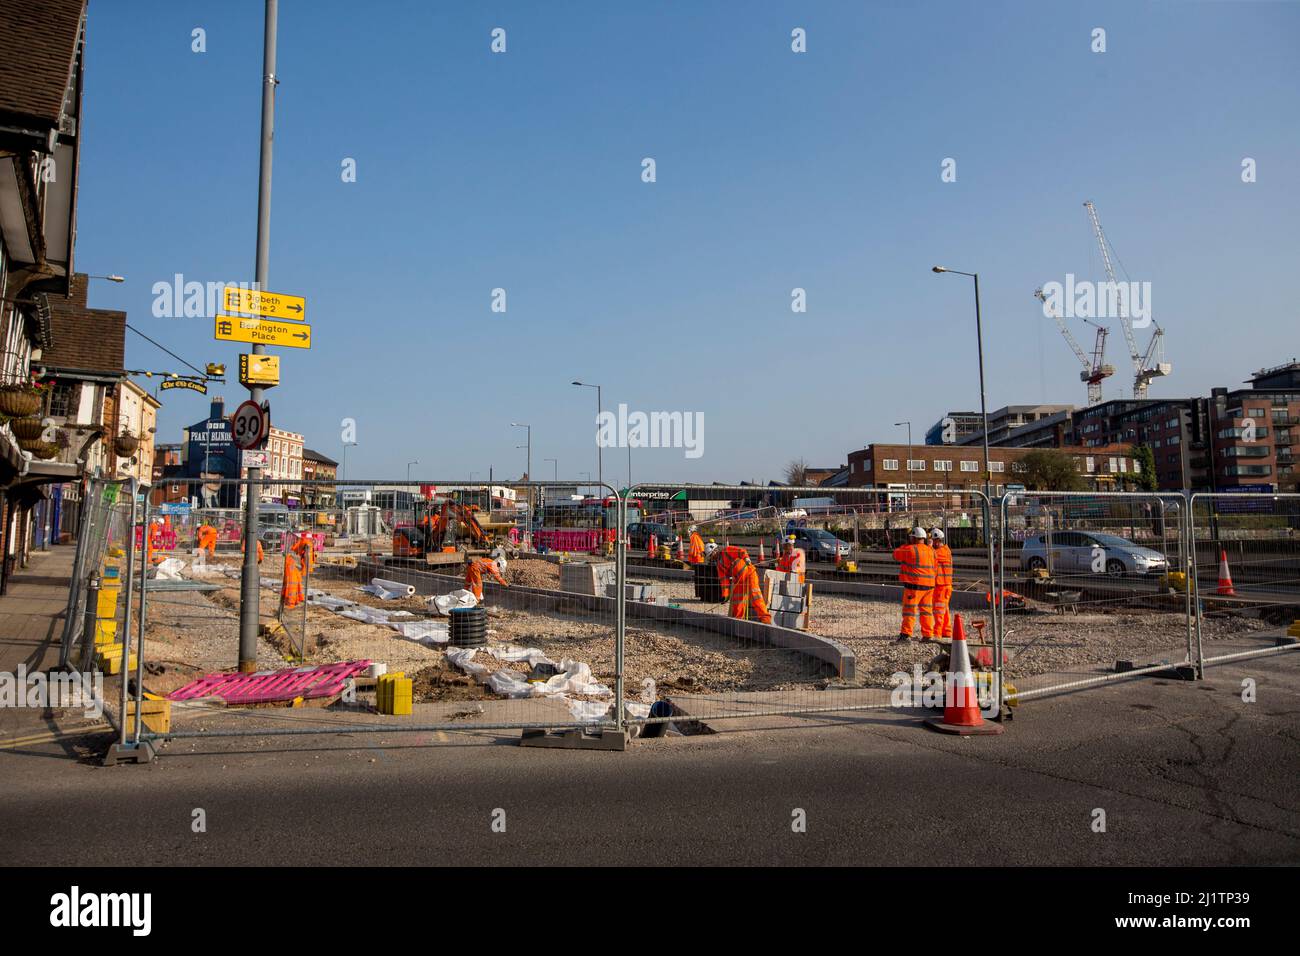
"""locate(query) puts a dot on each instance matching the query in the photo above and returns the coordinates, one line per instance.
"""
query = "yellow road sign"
(271, 304)
(259, 370)
(232, 328)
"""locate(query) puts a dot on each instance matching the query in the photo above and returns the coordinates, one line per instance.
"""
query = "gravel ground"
(194, 633)
(1036, 644)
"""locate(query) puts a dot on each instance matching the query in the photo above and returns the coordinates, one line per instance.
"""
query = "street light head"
(575, 383)
(938, 269)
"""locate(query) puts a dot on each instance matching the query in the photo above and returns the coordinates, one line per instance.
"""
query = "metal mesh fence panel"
(1246, 581)
(726, 617)
(1092, 589)
(361, 581)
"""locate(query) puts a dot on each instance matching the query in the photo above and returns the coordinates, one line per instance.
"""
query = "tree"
(1046, 469)
(1145, 460)
(796, 472)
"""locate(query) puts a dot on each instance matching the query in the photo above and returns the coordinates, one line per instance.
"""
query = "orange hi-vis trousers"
(942, 616)
(474, 575)
(747, 596)
(918, 602)
(291, 590)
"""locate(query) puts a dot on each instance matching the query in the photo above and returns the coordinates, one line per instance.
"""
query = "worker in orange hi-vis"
(747, 601)
(291, 593)
(942, 583)
(728, 561)
(260, 552)
(305, 549)
(916, 571)
(792, 560)
(207, 539)
(696, 553)
(477, 568)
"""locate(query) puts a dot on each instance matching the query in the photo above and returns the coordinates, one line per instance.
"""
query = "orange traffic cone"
(1225, 576)
(652, 548)
(961, 710)
(762, 555)
(681, 551)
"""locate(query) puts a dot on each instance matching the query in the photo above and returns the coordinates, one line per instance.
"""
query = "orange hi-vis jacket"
(696, 553)
(306, 551)
(207, 538)
(747, 594)
(474, 575)
(916, 565)
(260, 552)
(942, 566)
(291, 588)
(792, 562)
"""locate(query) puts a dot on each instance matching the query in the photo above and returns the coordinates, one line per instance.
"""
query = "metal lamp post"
(599, 456)
(907, 470)
(979, 343)
(529, 464)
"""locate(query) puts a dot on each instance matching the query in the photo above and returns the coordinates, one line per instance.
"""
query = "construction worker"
(746, 593)
(305, 549)
(259, 550)
(207, 539)
(696, 553)
(291, 593)
(729, 561)
(916, 571)
(480, 566)
(710, 549)
(942, 583)
(792, 560)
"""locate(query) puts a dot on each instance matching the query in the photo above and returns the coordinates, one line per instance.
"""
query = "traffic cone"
(762, 555)
(650, 551)
(961, 710)
(1225, 576)
(681, 552)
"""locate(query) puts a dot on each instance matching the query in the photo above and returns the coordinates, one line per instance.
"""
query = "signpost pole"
(250, 584)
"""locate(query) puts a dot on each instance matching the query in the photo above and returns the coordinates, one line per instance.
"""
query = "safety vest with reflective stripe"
(942, 566)
(917, 562)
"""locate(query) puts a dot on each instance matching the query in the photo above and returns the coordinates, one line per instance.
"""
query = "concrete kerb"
(827, 650)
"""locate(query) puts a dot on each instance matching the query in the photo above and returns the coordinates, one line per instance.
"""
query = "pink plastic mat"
(267, 687)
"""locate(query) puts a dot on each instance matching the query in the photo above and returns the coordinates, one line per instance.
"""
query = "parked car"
(639, 532)
(1090, 552)
(819, 545)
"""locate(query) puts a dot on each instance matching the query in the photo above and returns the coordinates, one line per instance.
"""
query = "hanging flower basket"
(44, 450)
(27, 429)
(19, 401)
(125, 444)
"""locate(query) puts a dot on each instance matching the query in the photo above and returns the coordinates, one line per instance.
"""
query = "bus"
(586, 524)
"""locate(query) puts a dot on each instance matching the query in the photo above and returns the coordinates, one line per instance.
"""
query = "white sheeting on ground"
(169, 569)
(572, 677)
(387, 590)
(446, 603)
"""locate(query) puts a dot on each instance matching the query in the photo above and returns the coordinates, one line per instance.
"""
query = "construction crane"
(1095, 369)
(1146, 365)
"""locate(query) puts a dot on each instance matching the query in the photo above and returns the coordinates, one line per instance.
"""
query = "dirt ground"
(191, 633)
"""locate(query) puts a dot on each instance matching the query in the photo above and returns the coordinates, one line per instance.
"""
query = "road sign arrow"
(301, 335)
(295, 308)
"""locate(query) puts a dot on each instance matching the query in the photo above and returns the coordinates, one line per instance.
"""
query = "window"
(1019, 467)
(915, 464)
(970, 466)
(942, 465)
(1137, 466)
(1173, 440)
(1123, 465)
(889, 464)
(997, 466)
(64, 398)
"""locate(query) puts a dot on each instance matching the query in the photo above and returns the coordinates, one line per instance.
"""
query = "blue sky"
(775, 170)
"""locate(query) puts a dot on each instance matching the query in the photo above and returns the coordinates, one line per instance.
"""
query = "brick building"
(318, 467)
(939, 468)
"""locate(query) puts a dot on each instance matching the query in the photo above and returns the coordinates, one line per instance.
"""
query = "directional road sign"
(273, 305)
(232, 328)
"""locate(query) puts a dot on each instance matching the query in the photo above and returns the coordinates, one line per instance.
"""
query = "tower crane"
(1095, 369)
(1146, 365)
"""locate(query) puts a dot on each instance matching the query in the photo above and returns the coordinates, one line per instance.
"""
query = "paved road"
(1186, 773)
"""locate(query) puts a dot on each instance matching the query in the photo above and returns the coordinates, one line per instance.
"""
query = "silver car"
(1083, 552)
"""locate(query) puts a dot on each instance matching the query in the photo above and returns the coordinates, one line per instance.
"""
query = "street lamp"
(979, 342)
(408, 470)
(529, 465)
(110, 278)
(346, 446)
(599, 409)
(907, 469)
(556, 462)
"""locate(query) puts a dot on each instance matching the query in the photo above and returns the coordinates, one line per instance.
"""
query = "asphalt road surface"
(1186, 773)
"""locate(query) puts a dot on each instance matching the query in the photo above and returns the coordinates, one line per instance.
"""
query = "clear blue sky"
(775, 170)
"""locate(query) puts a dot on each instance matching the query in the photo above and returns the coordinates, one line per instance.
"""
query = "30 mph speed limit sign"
(250, 425)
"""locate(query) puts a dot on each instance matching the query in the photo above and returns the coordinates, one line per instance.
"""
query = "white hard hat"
(918, 532)
(936, 533)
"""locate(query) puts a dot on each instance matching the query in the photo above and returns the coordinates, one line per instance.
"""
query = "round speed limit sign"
(249, 425)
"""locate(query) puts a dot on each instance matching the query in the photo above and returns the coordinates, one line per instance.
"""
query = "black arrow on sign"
(300, 335)
(295, 308)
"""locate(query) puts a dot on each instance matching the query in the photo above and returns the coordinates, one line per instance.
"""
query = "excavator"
(444, 527)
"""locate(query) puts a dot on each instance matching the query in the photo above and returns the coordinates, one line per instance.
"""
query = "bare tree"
(796, 472)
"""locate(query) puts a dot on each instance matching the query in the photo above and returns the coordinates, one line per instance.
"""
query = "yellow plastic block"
(105, 632)
(393, 693)
(155, 716)
(109, 658)
(107, 606)
(1293, 630)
